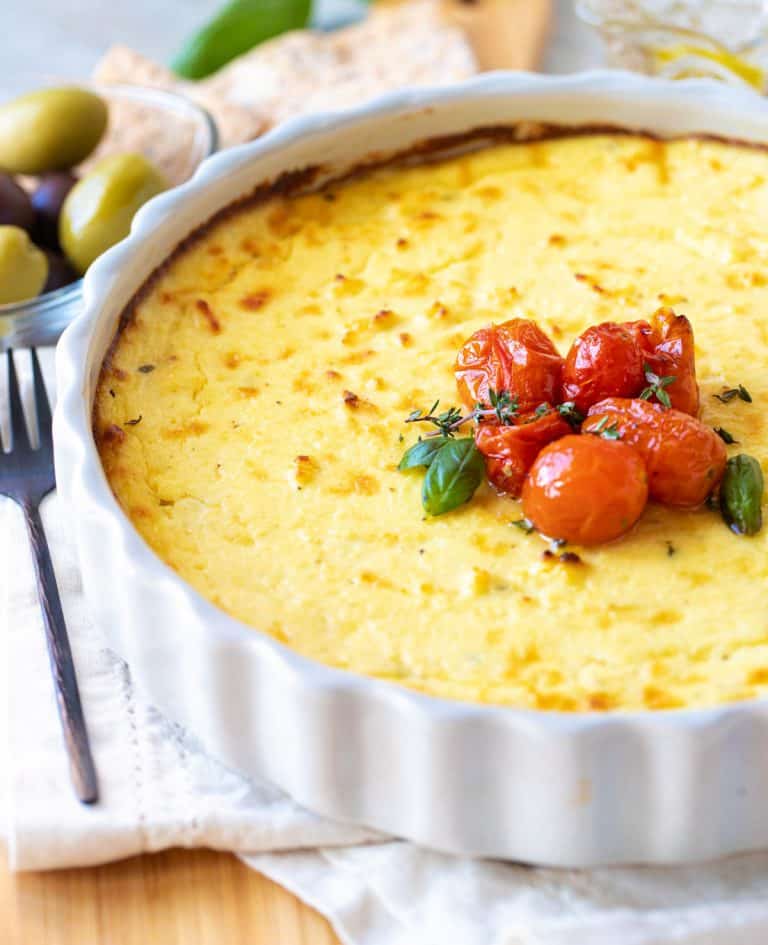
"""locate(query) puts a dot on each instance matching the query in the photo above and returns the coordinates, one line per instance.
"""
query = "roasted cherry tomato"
(645, 335)
(585, 489)
(668, 350)
(516, 357)
(685, 459)
(509, 451)
(677, 349)
(604, 361)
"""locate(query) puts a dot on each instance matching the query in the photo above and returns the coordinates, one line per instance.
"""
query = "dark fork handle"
(82, 769)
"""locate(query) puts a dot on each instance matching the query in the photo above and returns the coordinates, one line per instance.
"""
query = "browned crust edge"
(430, 150)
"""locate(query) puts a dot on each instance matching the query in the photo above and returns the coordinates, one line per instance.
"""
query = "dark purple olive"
(15, 206)
(47, 199)
(60, 273)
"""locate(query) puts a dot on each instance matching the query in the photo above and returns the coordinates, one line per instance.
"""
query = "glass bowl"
(173, 132)
(720, 39)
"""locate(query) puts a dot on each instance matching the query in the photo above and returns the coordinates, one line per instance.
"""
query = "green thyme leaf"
(730, 393)
(741, 495)
(608, 431)
(657, 386)
(724, 435)
(569, 413)
(421, 453)
(456, 470)
(505, 406)
(446, 422)
(524, 525)
(542, 410)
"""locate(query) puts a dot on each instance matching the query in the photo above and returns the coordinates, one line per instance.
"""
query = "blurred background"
(69, 38)
(724, 38)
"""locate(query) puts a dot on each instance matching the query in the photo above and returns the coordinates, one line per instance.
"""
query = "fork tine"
(19, 433)
(42, 405)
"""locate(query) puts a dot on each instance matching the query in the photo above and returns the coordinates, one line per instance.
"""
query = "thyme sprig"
(524, 525)
(725, 436)
(730, 392)
(567, 411)
(503, 407)
(608, 431)
(447, 422)
(657, 386)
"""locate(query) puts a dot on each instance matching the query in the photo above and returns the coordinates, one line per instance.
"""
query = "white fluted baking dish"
(561, 789)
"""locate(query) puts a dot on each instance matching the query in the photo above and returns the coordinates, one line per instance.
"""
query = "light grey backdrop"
(65, 37)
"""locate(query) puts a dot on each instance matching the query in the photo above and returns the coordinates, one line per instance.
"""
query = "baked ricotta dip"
(251, 413)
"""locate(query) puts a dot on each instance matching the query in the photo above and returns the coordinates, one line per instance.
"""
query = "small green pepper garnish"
(741, 495)
(238, 27)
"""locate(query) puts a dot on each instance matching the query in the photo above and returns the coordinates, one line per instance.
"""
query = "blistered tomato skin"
(604, 361)
(685, 459)
(668, 350)
(675, 355)
(510, 451)
(585, 490)
(644, 334)
(517, 357)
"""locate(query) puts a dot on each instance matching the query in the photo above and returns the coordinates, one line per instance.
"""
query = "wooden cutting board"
(198, 897)
(505, 34)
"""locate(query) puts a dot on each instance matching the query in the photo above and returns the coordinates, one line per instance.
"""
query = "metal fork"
(26, 476)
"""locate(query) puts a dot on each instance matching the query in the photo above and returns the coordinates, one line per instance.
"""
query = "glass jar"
(175, 134)
(722, 39)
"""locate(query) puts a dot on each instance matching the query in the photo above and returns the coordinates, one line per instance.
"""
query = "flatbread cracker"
(304, 71)
(121, 65)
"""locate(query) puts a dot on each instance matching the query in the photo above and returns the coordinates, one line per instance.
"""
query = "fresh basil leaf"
(236, 28)
(453, 476)
(741, 495)
(421, 453)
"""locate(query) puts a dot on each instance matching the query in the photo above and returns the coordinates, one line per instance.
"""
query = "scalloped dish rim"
(567, 741)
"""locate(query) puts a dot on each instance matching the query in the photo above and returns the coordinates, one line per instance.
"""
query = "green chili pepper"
(238, 27)
(741, 495)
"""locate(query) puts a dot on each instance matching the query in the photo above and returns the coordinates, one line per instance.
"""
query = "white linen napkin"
(159, 790)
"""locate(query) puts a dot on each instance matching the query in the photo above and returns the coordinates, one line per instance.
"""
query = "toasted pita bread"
(302, 72)
(121, 65)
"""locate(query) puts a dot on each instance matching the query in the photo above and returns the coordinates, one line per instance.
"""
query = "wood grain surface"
(505, 34)
(178, 897)
(198, 897)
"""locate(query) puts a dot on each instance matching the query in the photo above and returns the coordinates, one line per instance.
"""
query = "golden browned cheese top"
(250, 420)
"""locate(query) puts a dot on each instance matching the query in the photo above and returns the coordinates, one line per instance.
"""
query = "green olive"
(50, 130)
(23, 267)
(98, 210)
